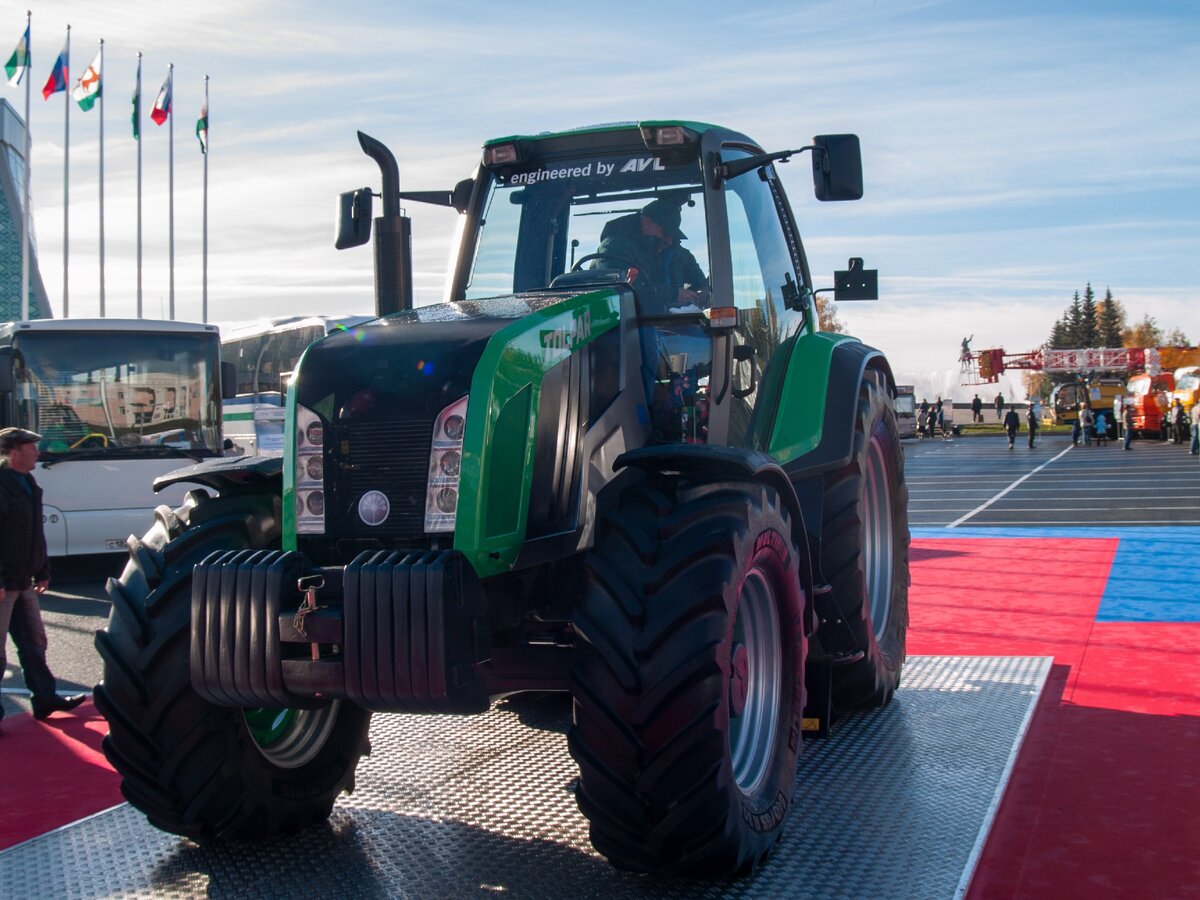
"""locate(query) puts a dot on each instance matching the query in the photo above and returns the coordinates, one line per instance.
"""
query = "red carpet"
(52, 772)
(1104, 797)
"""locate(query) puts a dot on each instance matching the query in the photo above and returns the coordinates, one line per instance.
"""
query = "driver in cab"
(664, 274)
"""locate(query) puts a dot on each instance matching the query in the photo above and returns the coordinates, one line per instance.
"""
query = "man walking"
(1127, 424)
(999, 406)
(1012, 424)
(976, 410)
(25, 571)
(1032, 418)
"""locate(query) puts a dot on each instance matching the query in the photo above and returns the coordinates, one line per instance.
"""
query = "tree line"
(1104, 323)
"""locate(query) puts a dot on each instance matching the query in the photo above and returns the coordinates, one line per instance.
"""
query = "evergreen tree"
(1060, 335)
(1110, 320)
(1087, 319)
(1075, 322)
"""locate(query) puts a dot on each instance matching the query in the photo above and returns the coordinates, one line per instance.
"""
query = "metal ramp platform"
(895, 803)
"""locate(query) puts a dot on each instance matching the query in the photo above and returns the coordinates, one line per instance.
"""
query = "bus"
(905, 405)
(117, 402)
(264, 354)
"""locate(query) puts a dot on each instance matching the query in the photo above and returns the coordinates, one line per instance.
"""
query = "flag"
(87, 88)
(202, 127)
(58, 75)
(162, 103)
(18, 63)
(137, 104)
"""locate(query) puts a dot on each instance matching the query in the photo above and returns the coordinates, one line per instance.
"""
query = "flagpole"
(101, 76)
(171, 179)
(204, 254)
(66, 178)
(28, 176)
(137, 134)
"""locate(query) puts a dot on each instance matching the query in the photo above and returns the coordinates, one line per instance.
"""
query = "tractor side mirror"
(228, 380)
(354, 219)
(837, 167)
(855, 282)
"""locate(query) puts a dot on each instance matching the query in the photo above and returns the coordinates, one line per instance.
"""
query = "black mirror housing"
(354, 219)
(855, 282)
(228, 380)
(6, 372)
(837, 167)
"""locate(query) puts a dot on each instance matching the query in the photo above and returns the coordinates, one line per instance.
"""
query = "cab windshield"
(538, 223)
(123, 395)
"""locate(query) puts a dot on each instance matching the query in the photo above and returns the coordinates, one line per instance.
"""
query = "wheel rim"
(289, 738)
(756, 665)
(878, 545)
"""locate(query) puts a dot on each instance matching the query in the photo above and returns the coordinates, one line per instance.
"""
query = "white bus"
(117, 402)
(264, 355)
(905, 405)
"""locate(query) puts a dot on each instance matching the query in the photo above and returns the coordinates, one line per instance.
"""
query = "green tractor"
(681, 503)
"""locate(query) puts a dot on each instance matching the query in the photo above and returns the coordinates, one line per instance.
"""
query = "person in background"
(999, 406)
(1101, 429)
(1012, 424)
(976, 409)
(939, 414)
(1087, 422)
(1179, 420)
(1127, 424)
(1118, 416)
(1195, 450)
(1032, 419)
(25, 571)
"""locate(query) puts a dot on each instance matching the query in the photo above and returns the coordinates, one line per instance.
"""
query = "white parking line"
(1029, 474)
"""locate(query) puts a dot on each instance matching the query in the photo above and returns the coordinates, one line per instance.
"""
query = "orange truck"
(1187, 387)
(1149, 396)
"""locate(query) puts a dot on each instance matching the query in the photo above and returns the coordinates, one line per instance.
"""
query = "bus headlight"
(310, 472)
(445, 461)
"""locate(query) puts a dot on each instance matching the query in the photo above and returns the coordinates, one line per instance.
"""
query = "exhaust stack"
(393, 236)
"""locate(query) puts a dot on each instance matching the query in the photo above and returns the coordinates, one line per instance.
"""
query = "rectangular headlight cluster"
(445, 462)
(310, 472)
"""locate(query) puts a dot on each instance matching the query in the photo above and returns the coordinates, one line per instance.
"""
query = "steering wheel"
(621, 264)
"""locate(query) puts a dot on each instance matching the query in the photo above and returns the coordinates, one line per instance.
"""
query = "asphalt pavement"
(953, 483)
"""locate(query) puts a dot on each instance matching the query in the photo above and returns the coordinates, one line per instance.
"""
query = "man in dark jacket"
(667, 275)
(1012, 424)
(25, 570)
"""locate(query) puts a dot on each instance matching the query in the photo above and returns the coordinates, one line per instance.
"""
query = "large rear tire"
(194, 768)
(865, 551)
(689, 679)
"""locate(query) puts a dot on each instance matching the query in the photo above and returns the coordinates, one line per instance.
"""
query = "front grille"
(392, 457)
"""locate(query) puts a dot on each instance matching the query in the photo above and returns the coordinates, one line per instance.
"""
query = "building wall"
(12, 187)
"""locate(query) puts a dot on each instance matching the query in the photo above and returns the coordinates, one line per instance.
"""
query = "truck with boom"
(682, 504)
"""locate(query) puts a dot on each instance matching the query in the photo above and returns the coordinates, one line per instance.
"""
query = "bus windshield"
(118, 394)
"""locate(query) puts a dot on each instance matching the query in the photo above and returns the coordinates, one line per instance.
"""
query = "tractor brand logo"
(601, 169)
(558, 343)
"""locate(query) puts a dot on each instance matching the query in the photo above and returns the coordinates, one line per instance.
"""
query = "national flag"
(202, 127)
(87, 88)
(18, 63)
(58, 75)
(162, 103)
(137, 104)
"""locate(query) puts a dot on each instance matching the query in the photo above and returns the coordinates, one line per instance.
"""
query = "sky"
(1013, 152)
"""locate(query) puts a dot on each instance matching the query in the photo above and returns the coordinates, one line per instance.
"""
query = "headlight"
(445, 463)
(310, 472)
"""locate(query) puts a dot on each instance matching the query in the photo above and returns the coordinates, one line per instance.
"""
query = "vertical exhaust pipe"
(393, 236)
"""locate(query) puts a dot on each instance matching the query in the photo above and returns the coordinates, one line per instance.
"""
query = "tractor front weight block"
(393, 631)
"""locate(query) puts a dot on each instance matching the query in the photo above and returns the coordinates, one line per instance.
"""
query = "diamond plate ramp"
(895, 803)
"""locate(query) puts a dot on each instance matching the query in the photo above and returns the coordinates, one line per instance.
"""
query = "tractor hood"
(408, 365)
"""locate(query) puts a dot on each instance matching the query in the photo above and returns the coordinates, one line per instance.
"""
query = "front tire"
(194, 768)
(689, 678)
(865, 541)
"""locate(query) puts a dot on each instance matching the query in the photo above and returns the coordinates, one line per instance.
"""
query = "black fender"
(709, 463)
(230, 474)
